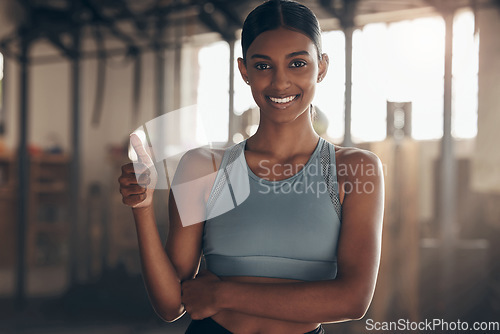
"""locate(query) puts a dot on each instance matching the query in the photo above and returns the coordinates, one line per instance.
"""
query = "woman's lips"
(282, 102)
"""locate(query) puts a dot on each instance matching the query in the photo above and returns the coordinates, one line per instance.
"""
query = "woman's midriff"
(241, 323)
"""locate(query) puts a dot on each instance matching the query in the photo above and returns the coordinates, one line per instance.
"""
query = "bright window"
(243, 99)
(330, 92)
(404, 62)
(399, 62)
(213, 90)
(465, 77)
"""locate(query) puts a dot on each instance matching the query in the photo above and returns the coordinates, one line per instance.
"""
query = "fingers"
(130, 185)
(133, 194)
(144, 180)
(133, 200)
(133, 185)
(131, 175)
(138, 179)
(132, 190)
(136, 168)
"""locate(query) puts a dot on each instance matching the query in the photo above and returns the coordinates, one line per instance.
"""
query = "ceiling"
(118, 26)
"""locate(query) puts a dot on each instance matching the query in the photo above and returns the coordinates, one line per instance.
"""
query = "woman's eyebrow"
(298, 53)
(260, 56)
(290, 55)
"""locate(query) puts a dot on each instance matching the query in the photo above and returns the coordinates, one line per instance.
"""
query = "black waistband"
(209, 326)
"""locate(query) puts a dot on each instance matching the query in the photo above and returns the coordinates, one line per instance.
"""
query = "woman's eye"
(262, 66)
(298, 63)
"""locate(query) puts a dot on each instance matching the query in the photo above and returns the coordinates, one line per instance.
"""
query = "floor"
(39, 318)
(116, 303)
(126, 327)
(40, 282)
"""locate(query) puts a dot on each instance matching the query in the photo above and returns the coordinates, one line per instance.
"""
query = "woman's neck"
(284, 139)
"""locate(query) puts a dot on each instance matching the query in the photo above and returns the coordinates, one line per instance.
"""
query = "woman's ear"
(323, 66)
(243, 69)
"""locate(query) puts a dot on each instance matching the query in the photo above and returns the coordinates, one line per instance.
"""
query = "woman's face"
(282, 68)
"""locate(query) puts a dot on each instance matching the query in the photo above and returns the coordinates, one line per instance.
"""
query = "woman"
(301, 246)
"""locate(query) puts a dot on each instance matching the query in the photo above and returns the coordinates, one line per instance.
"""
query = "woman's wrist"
(140, 212)
(222, 294)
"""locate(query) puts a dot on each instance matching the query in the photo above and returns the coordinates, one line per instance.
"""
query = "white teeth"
(283, 100)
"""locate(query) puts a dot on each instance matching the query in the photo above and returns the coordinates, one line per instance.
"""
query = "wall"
(50, 115)
(50, 104)
(486, 164)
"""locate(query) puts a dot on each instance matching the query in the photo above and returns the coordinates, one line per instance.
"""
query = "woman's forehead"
(281, 41)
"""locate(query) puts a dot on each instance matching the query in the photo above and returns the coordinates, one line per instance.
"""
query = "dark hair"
(274, 14)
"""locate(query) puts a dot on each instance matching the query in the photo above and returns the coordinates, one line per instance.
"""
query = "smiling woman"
(282, 68)
(288, 243)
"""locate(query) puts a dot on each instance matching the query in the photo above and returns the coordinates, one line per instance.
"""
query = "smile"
(283, 100)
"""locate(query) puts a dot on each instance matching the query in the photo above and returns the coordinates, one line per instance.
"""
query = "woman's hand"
(199, 295)
(138, 179)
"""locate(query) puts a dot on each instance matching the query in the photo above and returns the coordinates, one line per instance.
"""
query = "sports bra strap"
(228, 158)
(329, 169)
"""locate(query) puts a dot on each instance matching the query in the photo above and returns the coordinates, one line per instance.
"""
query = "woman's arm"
(160, 277)
(162, 269)
(345, 298)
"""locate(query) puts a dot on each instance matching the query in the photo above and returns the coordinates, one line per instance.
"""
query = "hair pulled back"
(274, 14)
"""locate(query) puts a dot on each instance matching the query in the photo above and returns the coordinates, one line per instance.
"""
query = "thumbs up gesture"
(138, 179)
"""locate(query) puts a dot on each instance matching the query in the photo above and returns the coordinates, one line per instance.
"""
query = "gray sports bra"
(282, 229)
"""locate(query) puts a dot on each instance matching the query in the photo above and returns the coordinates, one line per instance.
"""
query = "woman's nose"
(281, 80)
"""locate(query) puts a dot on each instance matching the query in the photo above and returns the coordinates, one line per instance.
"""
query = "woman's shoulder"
(203, 155)
(352, 159)
(199, 162)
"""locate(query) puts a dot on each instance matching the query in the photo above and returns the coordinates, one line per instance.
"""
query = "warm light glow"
(404, 62)
(401, 62)
(213, 89)
(243, 99)
(465, 74)
(330, 92)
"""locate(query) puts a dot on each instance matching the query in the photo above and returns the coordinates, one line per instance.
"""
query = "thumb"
(142, 155)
